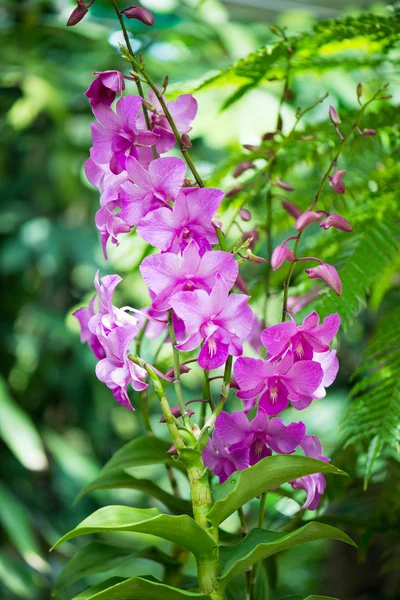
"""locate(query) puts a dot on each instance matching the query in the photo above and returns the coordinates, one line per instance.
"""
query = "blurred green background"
(58, 424)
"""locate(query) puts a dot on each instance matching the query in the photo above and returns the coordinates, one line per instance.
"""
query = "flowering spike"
(329, 274)
(337, 221)
(306, 219)
(141, 14)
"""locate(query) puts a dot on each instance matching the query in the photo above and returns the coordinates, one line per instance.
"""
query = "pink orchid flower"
(277, 383)
(167, 274)
(303, 339)
(172, 230)
(148, 190)
(222, 460)
(220, 319)
(105, 87)
(116, 134)
(314, 485)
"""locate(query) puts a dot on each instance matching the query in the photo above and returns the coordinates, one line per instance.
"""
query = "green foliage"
(260, 544)
(350, 43)
(180, 529)
(363, 257)
(270, 472)
(374, 413)
(136, 588)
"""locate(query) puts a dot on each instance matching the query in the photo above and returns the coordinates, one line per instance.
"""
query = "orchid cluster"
(192, 285)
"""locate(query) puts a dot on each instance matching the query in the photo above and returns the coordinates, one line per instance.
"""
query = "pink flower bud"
(279, 255)
(306, 218)
(242, 167)
(234, 384)
(234, 191)
(183, 369)
(268, 136)
(141, 14)
(245, 214)
(336, 221)
(291, 208)
(328, 274)
(255, 259)
(176, 411)
(334, 116)
(336, 182)
(77, 14)
(186, 141)
(251, 147)
(283, 185)
(368, 132)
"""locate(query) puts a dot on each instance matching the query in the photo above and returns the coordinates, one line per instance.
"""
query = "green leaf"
(27, 446)
(374, 413)
(16, 522)
(95, 557)
(142, 451)
(122, 479)
(270, 472)
(137, 588)
(182, 529)
(260, 544)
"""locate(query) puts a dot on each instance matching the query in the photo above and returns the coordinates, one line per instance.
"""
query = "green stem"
(177, 378)
(165, 407)
(207, 390)
(254, 570)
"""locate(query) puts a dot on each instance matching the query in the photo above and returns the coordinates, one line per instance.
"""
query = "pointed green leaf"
(137, 588)
(95, 557)
(146, 450)
(270, 472)
(260, 544)
(122, 479)
(180, 529)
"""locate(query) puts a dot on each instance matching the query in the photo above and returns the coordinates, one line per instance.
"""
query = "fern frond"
(374, 413)
(363, 257)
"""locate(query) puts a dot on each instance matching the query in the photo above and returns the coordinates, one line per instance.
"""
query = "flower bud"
(77, 14)
(186, 141)
(183, 369)
(176, 411)
(234, 384)
(242, 167)
(334, 116)
(268, 136)
(283, 185)
(306, 218)
(328, 274)
(336, 182)
(234, 191)
(245, 214)
(359, 91)
(291, 208)
(368, 132)
(255, 259)
(279, 255)
(141, 14)
(251, 147)
(336, 221)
